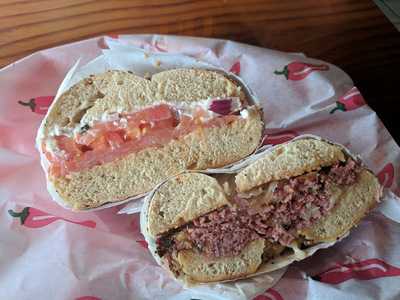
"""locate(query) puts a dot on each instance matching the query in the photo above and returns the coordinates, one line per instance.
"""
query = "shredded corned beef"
(296, 203)
(344, 174)
(221, 233)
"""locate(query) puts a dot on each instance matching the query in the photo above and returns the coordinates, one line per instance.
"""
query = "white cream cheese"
(244, 114)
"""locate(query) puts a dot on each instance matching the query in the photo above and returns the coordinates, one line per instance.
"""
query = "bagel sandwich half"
(115, 135)
(299, 196)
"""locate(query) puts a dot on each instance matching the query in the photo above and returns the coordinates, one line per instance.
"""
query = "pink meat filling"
(296, 203)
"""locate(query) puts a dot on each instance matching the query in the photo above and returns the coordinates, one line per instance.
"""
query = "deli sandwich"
(116, 135)
(298, 196)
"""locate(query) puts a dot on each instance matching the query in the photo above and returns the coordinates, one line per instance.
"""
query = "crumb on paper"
(147, 75)
(157, 63)
(146, 55)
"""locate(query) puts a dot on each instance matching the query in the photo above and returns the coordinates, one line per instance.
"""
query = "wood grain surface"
(353, 34)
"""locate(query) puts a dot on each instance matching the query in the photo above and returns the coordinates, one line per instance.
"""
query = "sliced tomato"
(60, 167)
(159, 116)
(114, 138)
(150, 115)
(87, 137)
(156, 138)
(68, 145)
(186, 125)
(132, 133)
(99, 143)
(105, 142)
(55, 170)
(89, 159)
(221, 121)
(154, 114)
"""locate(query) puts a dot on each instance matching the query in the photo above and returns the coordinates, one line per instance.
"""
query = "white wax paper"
(59, 254)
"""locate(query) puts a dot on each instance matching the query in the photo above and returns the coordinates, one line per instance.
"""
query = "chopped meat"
(164, 244)
(344, 174)
(221, 233)
(296, 203)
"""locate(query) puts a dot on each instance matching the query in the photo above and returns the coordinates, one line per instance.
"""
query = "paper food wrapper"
(48, 252)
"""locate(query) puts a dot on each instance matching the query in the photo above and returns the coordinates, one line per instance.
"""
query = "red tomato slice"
(156, 138)
(87, 137)
(55, 170)
(105, 142)
(99, 143)
(114, 139)
(154, 114)
(68, 145)
(221, 121)
(186, 125)
(150, 115)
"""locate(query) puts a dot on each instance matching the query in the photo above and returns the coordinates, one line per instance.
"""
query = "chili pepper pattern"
(298, 70)
(270, 294)
(135, 224)
(34, 218)
(386, 175)
(38, 105)
(349, 101)
(279, 138)
(363, 270)
(235, 69)
(142, 243)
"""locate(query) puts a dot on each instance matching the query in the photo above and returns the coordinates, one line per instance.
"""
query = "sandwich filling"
(125, 133)
(274, 212)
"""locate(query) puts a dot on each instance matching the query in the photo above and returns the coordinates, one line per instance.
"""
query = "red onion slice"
(222, 107)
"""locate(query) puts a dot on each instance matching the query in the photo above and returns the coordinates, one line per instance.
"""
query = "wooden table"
(354, 35)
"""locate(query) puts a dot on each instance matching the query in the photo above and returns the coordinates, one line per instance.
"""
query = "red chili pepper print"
(270, 294)
(88, 298)
(386, 175)
(235, 69)
(135, 224)
(34, 218)
(349, 101)
(298, 70)
(142, 243)
(363, 270)
(38, 105)
(279, 138)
